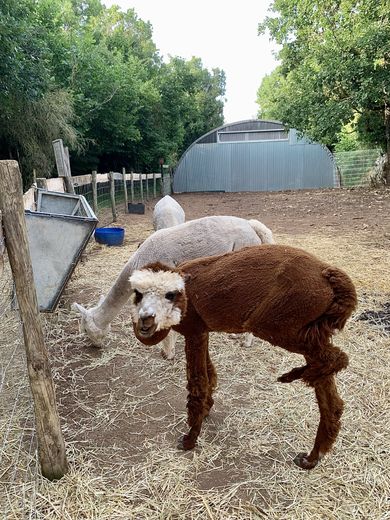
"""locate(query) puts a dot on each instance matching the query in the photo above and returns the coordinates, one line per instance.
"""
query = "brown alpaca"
(281, 294)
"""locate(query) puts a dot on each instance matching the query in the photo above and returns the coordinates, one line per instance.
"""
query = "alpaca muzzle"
(147, 334)
(147, 326)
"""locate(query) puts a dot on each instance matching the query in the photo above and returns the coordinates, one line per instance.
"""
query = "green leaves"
(335, 67)
(118, 103)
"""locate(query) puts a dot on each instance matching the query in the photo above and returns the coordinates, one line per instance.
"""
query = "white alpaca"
(206, 236)
(167, 213)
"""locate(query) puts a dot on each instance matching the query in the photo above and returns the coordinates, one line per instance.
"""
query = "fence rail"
(103, 190)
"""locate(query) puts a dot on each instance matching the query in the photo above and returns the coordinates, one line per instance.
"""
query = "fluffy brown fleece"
(283, 295)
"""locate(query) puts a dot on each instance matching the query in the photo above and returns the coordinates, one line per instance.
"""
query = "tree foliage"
(335, 69)
(91, 75)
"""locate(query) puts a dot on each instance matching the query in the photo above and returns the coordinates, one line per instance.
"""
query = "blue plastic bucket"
(110, 236)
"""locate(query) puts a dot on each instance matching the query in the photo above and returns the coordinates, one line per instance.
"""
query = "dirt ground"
(123, 406)
(297, 212)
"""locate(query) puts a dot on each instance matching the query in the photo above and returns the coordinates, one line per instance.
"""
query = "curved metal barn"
(254, 155)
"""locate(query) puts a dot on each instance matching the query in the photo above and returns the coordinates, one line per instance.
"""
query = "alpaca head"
(158, 302)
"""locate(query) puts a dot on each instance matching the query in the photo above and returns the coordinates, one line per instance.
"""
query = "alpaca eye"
(138, 296)
(170, 296)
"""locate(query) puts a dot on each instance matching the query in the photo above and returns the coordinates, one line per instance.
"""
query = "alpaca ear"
(186, 277)
(79, 308)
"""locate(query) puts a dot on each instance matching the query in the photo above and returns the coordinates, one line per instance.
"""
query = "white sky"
(222, 33)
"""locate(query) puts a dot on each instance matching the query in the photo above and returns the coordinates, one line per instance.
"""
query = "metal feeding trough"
(57, 233)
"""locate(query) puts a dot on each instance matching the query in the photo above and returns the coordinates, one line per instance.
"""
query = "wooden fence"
(103, 188)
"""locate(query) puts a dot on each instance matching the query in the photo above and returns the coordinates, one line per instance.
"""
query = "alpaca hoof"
(293, 375)
(168, 356)
(284, 379)
(287, 378)
(302, 461)
(185, 443)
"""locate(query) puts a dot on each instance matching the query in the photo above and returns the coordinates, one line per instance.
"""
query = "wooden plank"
(59, 155)
(82, 180)
(55, 184)
(102, 177)
(51, 446)
(29, 199)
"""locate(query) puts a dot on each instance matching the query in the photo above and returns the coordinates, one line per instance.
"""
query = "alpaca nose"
(147, 322)
(146, 312)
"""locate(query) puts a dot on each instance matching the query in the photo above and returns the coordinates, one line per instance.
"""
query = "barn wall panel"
(255, 166)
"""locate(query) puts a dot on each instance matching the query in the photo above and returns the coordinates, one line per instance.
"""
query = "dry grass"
(123, 407)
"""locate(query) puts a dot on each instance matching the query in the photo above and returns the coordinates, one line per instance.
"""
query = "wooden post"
(147, 186)
(112, 195)
(69, 185)
(125, 189)
(51, 446)
(141, 187)
(94, 192)
(2, 247)
(132, 186)
(154, 185)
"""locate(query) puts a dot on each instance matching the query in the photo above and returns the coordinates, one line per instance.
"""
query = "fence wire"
(18, 448)
(357, 167)
(140, 194)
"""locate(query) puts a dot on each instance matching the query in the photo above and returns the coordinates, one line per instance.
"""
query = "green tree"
(91, 75)
(269, 94)
(33, 110)
(192, 101)
(335, 68)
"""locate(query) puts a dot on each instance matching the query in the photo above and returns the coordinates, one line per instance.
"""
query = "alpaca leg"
(247, 339)
(196, 348)
(295, 373)
(331, 408)
(329, 362)
(168, 345)
(212, 376)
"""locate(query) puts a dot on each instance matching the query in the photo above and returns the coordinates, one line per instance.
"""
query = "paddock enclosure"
(123, 407)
